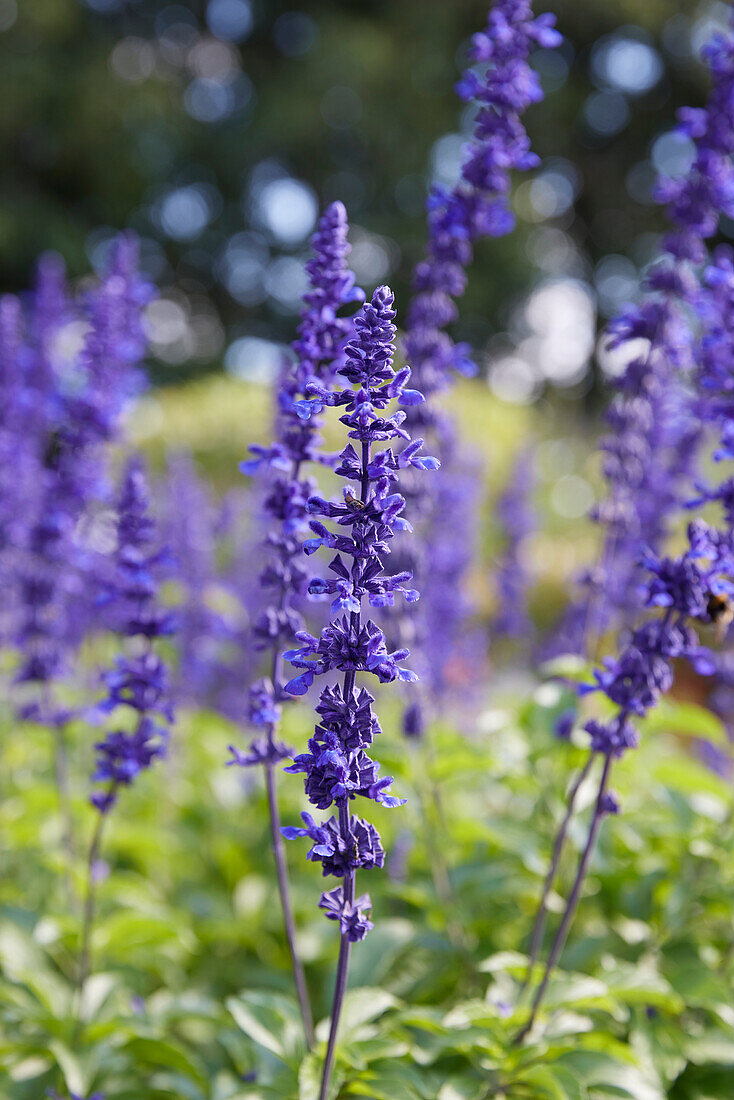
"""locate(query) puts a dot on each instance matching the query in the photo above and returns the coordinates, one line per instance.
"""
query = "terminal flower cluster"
(317, 355)
(337, 766)
(650, 453)
(139, 681)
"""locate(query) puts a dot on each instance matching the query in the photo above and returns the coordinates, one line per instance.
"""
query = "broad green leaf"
(71, 1066)
(462, 1089)
(712, 1047)
(544, 1081)
(657, 1042)
(248, 1021)
(687, 775)
(363, 1005)
(685, 720)
(395, 1080)
(639, 984)
(271, 1020)
(569, 1082)
(165, 1054)
(309, 1077)
(511, 961)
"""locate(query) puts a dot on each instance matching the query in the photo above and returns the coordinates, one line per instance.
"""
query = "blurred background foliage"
(191, 1000)
(217, 129)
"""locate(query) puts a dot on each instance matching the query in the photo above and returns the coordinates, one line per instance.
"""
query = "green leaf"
(685, 720)
(272, 1021)
(309, 1077)
(711, 1047)
(569, 1082)
(658, 1043)
(70, 1065)
(544, 1081)
(688, 776)
(363, 1005)
(142, 930)
(395, 1080)
(462, 1088)
(165, 1054)
(640, 984)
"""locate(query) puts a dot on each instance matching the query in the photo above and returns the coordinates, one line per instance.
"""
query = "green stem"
(573, 900)
(90, 905)
(285, 901)
(536, 940)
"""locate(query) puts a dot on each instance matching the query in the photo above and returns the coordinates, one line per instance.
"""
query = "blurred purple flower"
(139, 682)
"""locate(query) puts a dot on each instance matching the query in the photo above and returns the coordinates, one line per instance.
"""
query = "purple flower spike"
(655, 427)
(517, 516)
(60, 410)
(139, 682)
(337, 766)
(318, 353)
(351, 915)
(500, 86)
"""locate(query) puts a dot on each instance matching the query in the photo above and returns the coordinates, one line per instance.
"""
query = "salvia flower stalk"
(138, 692)
(67, 409)
(650, 454)
(518, 520)
(449, 666)
(500, 85)
(81, 403)
(337, 766)
(692, 587)
(190, 531)
(318, 351)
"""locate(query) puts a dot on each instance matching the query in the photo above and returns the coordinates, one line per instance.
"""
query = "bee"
(721, 612)
(352, 501)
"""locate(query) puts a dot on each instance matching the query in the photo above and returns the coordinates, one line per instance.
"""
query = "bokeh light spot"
(254, 359)
(8, 14)
(616, 281)
(627, 64)
(231, 20)
(606, 113)
(287, 208)
(672, 154)
(294, 33)
(447, 156)
(571, 496)
(513, 380)
(185, 213)
(133, 59)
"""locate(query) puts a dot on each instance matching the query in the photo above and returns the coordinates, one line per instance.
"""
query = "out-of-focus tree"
(216, 129)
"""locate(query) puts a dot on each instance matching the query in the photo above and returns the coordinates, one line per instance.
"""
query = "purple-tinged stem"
(573, 900)
(536, 939)
(285, 901)
(342, 968)
(439, 869)
(90, 906)
(281, 865)
(63, 791)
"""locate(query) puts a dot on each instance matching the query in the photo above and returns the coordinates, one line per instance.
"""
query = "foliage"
(86, 147)
(191, 994)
